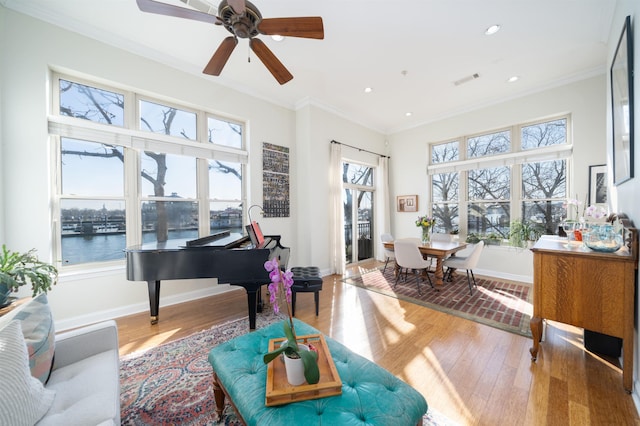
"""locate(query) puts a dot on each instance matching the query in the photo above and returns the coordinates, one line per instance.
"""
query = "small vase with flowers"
(426, 223)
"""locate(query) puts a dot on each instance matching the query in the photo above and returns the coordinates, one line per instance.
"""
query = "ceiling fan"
(242, 19)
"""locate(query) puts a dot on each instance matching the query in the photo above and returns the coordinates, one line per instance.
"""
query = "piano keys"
(224, 256)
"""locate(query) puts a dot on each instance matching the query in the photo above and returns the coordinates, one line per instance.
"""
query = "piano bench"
(305, 280)
(370, 394)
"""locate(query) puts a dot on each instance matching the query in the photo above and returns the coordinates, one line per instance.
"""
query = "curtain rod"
(360, 149)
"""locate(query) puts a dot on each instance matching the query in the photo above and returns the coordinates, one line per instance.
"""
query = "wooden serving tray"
(280, 392)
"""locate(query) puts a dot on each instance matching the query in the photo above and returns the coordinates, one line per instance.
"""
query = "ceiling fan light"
(492, 29)
(276, 37)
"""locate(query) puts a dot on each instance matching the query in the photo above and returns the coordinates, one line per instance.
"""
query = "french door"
(358, 225)
(358, 208)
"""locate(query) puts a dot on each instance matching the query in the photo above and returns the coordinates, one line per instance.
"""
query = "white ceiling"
(371, 43)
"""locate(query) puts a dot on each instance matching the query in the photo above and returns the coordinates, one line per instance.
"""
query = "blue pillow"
(39, 334)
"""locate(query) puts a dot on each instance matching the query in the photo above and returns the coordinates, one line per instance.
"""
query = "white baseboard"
(94, 317)
(504, 275)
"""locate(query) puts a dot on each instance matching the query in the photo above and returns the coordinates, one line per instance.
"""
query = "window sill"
(83, 272)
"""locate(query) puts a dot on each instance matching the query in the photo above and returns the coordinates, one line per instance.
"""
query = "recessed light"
(513, 79)
(492, 30)
(368, 90)
(408, 114)
(277, 37)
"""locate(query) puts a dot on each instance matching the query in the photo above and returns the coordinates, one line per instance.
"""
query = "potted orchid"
(281, 283)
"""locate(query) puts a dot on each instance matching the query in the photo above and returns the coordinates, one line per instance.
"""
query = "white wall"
(318, 128)
(585, 100)
(625, 196)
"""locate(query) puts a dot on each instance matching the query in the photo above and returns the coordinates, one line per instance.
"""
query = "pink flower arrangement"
(278, 279)
(596, 212)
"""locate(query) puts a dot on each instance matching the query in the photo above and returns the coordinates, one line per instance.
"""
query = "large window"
(124, 182)
(92, 203)
(517, 172)
(544, 183)
(489, 206)
(445, 189)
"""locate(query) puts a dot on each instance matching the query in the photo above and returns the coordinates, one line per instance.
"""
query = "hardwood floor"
(472, 373)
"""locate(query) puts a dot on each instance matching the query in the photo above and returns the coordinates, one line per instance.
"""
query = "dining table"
(439, 250)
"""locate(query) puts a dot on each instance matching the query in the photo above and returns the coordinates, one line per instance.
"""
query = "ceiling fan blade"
(160, 8)
(237, 6)
(220, 58)
(307, 27)
(270, 61)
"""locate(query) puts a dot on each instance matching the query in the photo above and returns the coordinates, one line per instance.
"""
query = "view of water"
(99, 248)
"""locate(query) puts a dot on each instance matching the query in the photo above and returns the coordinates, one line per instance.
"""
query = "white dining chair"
(467, 262)
(409, 258)
(388, 253)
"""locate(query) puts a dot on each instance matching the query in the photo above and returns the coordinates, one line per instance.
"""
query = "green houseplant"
(281, 282)
(18, 269)
(472, 238)
(521, 232)
(492, 239)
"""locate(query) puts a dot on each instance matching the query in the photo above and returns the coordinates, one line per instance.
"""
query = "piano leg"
(252, 299)
(259, 302)
(154, 300)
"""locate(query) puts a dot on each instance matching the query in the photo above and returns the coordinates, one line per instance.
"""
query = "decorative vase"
(426, 234)
(5, 291)
(295, 368)
(569, 228)
(603, 238)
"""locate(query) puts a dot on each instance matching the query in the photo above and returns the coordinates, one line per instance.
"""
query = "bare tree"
(107, 107)
(445, 187)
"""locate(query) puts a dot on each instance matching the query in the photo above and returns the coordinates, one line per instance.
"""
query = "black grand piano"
(225, 256)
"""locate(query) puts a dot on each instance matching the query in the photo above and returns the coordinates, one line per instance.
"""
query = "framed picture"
(407, 203)
(622, 106)
(598, 184)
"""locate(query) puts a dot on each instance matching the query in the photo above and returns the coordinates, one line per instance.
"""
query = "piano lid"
(222, 240)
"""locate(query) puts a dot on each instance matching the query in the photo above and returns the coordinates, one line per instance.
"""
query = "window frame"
(134, 142)
(513, 159)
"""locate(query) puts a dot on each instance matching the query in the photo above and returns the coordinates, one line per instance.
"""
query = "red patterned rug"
(171, 383)
(504, 305)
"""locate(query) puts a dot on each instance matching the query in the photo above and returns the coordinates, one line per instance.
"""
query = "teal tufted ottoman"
(370, 394)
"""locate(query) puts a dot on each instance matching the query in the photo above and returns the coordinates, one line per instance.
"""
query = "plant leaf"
(311, 370)
(270, 356)
(288, 332)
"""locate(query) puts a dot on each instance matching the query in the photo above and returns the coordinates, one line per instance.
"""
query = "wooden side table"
(575, 285)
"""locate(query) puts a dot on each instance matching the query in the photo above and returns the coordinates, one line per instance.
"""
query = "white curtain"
(336, 214)
(383, 212)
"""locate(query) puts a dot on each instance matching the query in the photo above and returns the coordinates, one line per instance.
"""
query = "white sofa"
(86, 377)
(83, 383)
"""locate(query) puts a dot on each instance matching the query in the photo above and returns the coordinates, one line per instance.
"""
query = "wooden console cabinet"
(575, 285)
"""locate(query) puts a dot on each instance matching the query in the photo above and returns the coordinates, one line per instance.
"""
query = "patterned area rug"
(171, 383)
(504, 305)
